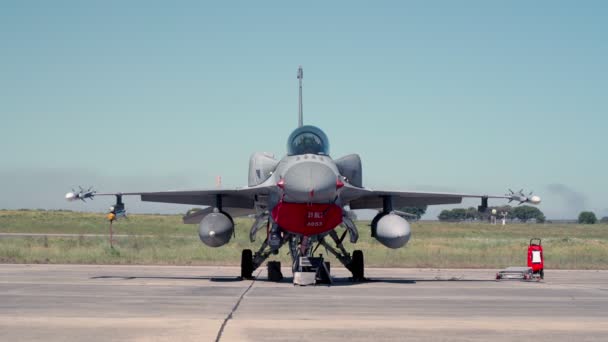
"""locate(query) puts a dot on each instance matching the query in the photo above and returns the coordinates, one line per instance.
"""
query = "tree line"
(522, 213)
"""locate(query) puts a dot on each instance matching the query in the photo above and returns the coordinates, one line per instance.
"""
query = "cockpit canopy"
(307, 139)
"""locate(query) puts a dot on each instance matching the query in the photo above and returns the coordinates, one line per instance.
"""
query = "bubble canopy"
(307, 140)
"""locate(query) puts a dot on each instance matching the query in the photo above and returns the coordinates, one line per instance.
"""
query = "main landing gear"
(355, 263)
(304, 247)
(246, 264)
(251, 261)
(357, 266)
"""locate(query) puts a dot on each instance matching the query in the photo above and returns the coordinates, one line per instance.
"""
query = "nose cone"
(310, 181)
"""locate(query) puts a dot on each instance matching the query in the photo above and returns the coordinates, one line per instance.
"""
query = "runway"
(162, 303)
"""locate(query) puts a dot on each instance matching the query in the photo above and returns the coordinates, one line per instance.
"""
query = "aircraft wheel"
(274, 271)
(247, 264)
(324, 276)
(357, 266)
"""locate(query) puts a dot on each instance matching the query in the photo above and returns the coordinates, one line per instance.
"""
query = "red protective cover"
(538, 265)
(307, 219)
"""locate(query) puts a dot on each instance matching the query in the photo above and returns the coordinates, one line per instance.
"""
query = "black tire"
(274, 271)
(542, 273)
(324, 277)
(357, 266)
(247, 264)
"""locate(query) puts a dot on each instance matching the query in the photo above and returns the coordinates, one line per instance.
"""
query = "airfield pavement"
(182, 303)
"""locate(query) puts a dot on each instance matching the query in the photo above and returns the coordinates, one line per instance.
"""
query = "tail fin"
(300, 110)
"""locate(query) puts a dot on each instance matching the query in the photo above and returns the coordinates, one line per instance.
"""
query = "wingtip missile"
(521, 198)
(80, 195)
(70, 196)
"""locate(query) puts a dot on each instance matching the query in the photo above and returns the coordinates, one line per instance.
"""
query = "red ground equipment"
(535, 258)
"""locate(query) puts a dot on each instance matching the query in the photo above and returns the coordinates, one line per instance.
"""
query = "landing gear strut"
(353, 263)
(250, 261)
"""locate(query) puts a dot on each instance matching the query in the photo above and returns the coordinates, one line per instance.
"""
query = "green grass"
(433, 244)
(40, 221)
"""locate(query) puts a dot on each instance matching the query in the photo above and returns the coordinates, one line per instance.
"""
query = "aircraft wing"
(230, 198)
(363, 198)
(235, 201)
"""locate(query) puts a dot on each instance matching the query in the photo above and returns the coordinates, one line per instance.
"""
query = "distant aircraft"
(300, 201)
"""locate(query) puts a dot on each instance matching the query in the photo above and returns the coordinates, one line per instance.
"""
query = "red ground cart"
(535, 258)
(535, 269)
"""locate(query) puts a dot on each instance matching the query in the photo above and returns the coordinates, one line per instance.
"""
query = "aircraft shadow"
(414, 281)
(214, 278)
(346, 281)
(337, 281)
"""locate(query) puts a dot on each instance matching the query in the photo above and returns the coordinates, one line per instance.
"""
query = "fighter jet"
(303, 200)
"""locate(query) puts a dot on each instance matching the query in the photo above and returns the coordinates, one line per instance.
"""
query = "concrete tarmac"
(173, 303)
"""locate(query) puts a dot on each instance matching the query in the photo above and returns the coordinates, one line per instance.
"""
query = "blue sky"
(471, 96)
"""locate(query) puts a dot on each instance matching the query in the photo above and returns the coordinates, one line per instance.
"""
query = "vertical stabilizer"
(300, 111)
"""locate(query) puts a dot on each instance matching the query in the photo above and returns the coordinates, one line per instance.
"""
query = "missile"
(80, 195)
(521, 198)
(70, 196)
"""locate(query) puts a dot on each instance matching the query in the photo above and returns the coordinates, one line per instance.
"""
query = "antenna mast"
(300, 111)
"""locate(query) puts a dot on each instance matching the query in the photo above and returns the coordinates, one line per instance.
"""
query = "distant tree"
(418, 211)
(525, 213)
(604, 219)
(541, 218)
(459, 214)
(587, 217)
(445, 215)
(472, 214)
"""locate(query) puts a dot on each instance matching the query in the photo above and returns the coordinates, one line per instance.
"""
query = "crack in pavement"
(234, 308)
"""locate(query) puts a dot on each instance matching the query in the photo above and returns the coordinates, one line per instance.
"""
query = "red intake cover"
(307, 219)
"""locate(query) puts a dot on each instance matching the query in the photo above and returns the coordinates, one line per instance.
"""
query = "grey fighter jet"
(303, 200)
